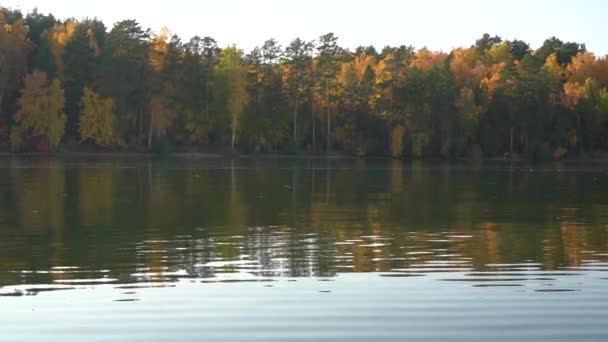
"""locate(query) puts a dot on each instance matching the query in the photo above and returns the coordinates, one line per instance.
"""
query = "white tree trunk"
(328, 123)
(295, 124)
(150, 132)
(314, 137)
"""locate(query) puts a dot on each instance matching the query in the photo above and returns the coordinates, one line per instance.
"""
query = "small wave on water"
(161, 252)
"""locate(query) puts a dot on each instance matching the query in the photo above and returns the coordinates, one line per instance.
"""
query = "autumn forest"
(78, 84)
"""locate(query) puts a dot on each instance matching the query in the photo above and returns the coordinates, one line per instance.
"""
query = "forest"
(80, 85)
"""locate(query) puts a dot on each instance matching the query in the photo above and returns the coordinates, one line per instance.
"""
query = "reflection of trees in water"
(144, 221)
(38, 201)
(262, 251)
(40, 196)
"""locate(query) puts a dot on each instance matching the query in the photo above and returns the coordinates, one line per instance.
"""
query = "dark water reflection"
(71, 221)
(135, 224)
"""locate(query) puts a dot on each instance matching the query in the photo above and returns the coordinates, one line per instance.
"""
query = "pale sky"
(436, 24)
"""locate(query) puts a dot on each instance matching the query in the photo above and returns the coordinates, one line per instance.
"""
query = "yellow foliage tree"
(585, 66)
(158, 50)
(553, 66)
(388, 72)
(419, 143)
(425, 59)
(600, 72)
(383, 69)
(40, 110)
(466, 67)
(491, 80)
(573, 93)
(468, 108)
(162, 114)
(59, 36)
(499, 53)
(230, 76)
(98, 119)
(362, 62)
(581, 67)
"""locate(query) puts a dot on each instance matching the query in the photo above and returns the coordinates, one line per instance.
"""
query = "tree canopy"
(40, 110)
(79, 82)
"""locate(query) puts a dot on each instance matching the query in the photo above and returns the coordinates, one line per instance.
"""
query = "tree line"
(78, 83)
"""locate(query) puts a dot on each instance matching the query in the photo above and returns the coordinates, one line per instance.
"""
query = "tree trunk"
(526, 140)
(511, 132)
(233, 136)
(234, 125)
(327, 181)
(328, 121)
(150, 133)
(312, 181)
(206, 114)
(295, 124)
(312, 109)
(293, 187)
(141, 117)
(143, 81)
(578, 129)
(206, 97)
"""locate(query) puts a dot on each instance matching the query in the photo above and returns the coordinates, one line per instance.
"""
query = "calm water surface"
(131, 249)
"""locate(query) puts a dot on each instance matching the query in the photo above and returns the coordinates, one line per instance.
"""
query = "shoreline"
(602, 157)
(193, 155)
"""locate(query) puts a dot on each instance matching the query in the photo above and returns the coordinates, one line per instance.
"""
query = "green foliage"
(81, 58)
(519, 49)
(14, 53)
(37, 24)
(44, 60)
(298, 78)
(122, 74)
(230, 81)
(162, 146)
(266, 117)
(564, 51)
(197, 127)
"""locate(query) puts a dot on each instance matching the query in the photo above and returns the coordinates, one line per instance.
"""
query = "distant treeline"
(75, 81)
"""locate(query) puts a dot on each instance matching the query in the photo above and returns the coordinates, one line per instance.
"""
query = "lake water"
(131, 249)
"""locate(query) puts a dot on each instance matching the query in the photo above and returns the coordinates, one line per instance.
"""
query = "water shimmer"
(148, 250)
